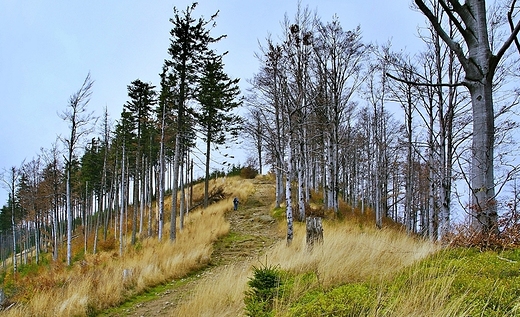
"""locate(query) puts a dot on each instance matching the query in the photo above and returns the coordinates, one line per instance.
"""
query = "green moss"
(347, 300)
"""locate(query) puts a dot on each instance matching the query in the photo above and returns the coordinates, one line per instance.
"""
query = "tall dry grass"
(348, 254)
(424, 296)
(104, 280)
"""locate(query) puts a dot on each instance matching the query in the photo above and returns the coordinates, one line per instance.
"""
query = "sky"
(47, 48)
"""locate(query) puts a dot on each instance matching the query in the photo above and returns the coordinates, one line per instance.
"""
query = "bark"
(69, 215)
(123, 203)
(206, 178)
(161, 177)
(182, 205)
(482, 174)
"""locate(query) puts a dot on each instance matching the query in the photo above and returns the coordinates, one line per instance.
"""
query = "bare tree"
(80, 124)
(340, 59)
(480, 65)
(53, 188)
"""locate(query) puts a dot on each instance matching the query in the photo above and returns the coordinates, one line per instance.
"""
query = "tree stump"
(314, 231)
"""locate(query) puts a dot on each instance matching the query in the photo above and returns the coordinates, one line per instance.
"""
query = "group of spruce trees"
(101, 188)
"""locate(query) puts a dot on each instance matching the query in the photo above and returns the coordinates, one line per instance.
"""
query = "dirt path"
(252, 231)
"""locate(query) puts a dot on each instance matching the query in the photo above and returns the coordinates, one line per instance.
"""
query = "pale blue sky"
(48, 47)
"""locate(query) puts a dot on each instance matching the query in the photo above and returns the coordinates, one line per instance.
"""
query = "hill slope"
(252, 231)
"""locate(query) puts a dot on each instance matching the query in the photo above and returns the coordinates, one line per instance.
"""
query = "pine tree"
(217, 96)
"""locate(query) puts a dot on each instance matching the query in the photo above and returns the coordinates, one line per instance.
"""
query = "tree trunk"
(206, 175)
(143, 195)
(482, 176)
(123, 203)
(162, 176)
(288, 193)
(175, 185)
(182, 203)
(69, 214)
(314, 234)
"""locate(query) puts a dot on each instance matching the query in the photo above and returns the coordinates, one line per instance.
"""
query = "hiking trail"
(252, 231)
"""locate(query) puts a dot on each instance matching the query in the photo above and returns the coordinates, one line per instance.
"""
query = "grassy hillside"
(96, 282)
(364, 272)
(357, 271)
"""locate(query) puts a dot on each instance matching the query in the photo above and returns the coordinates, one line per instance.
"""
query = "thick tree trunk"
(482, 176)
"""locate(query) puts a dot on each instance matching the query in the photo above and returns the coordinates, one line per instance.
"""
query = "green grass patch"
(453, 282)
(231, 238)
(278, 214)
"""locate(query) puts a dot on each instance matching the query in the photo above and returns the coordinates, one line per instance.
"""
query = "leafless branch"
(512, 25)
(414, 83)
(454, 46)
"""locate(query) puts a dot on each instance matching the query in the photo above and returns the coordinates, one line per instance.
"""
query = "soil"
(252, 231)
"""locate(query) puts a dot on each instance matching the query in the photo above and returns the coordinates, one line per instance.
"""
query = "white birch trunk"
(288, 193)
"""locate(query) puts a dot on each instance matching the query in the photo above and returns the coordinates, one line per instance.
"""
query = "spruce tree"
(218, 98)
(142, 98)
(189, 47)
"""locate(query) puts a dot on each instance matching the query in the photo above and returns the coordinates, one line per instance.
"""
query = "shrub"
(264, 288)
(248, 172)
(107, 245)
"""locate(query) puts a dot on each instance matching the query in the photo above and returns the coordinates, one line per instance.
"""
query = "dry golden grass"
(221, 294)
(104, 280)
(427, 296)
(348, 254)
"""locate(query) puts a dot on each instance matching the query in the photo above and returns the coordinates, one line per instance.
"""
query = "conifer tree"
(142, 98)
(217, 96)
(189, 42)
